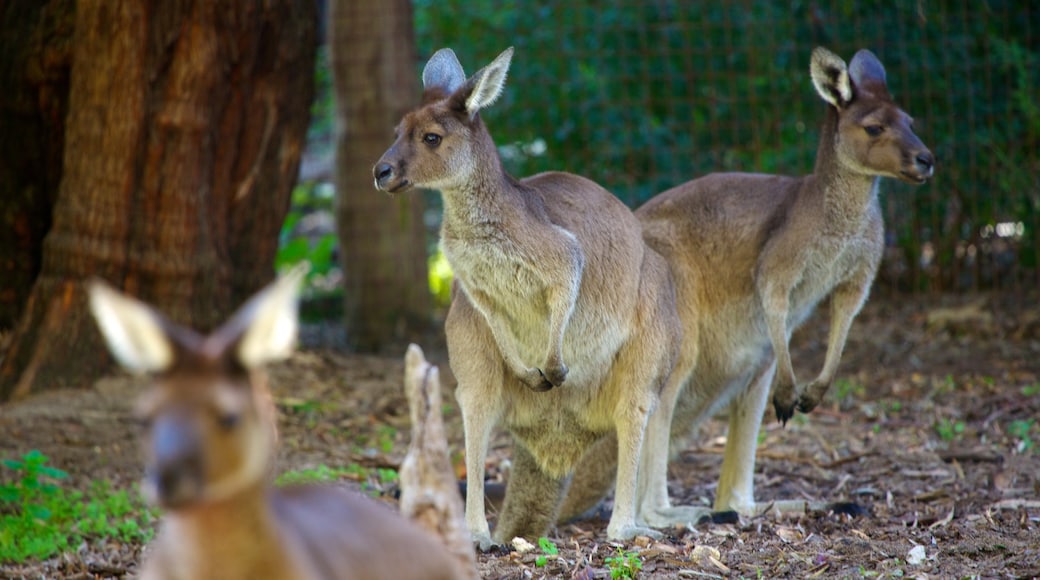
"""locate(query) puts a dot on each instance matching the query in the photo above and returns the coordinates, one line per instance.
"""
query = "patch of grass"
(1022, 429)
(949, 430)
(1031, 390)
(385, 438)
(39, 519)
(372, 480)
(320, 474)
(844, 389)
(548, 549)
(624, 564)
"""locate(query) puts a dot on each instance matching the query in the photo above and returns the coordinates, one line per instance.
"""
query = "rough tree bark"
(34, 71)
(382, 239)
(186, 121)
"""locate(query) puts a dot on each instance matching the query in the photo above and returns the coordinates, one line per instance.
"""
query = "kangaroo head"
(207, 419)
(442, 143)
(874, 136)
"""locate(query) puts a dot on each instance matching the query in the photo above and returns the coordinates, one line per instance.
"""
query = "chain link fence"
(642, 95)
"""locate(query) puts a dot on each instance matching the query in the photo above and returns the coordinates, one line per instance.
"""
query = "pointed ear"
(830, 77)
(443, 71)
(267, 324)
(865, 69)
(484, 87)
(133, 330)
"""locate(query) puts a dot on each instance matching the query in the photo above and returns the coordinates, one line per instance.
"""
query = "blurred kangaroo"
(752, 255)
(562, 323)
(209, 438)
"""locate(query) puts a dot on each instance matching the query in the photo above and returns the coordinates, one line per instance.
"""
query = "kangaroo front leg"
(775, 301)
(846, 302)
(532, 499)
(561, 297)
(530, 376)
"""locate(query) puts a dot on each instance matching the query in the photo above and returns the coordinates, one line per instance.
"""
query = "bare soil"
(927, 429)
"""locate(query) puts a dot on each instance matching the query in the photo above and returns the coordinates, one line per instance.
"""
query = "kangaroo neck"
(484, 199)
(847, 195)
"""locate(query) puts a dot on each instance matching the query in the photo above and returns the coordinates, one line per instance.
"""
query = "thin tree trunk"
(185, 125)
(382, 239)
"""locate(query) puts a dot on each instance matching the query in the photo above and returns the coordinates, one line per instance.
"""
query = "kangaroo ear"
(133, 330)
(265, 328)
(865, 69)
(484, 87)
(443, 71)
(830, 77)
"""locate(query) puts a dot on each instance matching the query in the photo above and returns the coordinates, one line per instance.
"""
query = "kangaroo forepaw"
(556, 374)
(811, 395)
(784, 409)
(536, 380)
(806, 403)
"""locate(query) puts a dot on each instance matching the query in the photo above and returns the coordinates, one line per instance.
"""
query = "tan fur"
(209, 437)
(562, 324)
(752, 256)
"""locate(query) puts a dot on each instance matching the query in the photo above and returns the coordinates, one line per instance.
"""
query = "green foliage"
(548, 549)
(320, 474)
(292, 249)
(385, 435)
(949, 430)
(1023, 430)
(373, 480)
(624, 564)
(641, 96)
(39, 519)
(846, 389)
(440, 275)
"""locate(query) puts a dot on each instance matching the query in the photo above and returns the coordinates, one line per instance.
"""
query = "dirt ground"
(928, 429)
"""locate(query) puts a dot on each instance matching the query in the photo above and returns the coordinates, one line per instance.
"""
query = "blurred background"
(642, 95)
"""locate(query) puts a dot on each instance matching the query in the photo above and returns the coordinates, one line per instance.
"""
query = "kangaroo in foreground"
(752, 256)
(562, 324)
(209, 437)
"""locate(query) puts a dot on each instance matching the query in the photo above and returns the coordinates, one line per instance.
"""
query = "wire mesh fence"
(641, 95)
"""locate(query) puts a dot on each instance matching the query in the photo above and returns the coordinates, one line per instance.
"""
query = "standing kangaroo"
(752, 256)
(562, 323)
(209, 437)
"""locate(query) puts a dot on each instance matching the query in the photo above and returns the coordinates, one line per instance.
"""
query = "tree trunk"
(35, 40)
(185, 125)
(382, 239)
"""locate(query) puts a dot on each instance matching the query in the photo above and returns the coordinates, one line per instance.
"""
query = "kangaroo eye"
(432, 139)
(874, 130)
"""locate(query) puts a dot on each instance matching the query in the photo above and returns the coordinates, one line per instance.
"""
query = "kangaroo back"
(208, 438)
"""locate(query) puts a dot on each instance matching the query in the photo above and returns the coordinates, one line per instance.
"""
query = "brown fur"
(208, 440)
(752, 256)
(562, 325)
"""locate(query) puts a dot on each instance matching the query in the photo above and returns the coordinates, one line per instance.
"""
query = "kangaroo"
(752, 255)
(208, 442)
(562, 324)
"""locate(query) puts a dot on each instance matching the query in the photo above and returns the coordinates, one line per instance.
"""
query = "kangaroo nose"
(925, 160)
(383, 171)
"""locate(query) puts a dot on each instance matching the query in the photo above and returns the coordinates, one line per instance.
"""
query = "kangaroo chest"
(503, 286)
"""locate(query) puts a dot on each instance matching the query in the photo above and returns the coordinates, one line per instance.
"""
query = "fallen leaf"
(916, 556)
(789, 535)
(521, 545)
